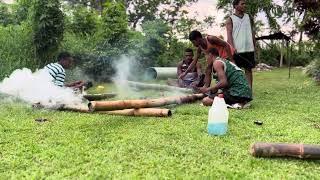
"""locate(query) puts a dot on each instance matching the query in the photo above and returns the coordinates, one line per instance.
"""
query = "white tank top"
(242, 33)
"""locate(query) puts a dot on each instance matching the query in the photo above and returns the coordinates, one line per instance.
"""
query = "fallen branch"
(147, 103)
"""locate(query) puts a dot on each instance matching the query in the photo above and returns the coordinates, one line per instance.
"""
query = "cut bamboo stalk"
(160, 72)
(140, 112)
(154, 112)
(159, 87)
(301, 151)
(147, 103)
(95, 97)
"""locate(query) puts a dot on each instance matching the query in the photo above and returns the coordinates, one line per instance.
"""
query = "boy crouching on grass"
(231, 80)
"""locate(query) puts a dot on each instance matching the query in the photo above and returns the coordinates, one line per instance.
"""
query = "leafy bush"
(313, 69)
(6, 17)
(16, 50)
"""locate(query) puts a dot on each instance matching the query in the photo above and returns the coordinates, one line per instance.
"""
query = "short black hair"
(235, 2)
(194, 35)
(189, 50)
(214, 52)
(63, 55)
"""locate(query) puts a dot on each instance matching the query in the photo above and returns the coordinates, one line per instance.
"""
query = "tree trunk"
(281, 53)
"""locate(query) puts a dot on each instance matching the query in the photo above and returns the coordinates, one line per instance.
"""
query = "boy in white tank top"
(241, 36)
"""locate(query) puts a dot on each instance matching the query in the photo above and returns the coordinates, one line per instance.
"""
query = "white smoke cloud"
(124, 67)
(38, 87)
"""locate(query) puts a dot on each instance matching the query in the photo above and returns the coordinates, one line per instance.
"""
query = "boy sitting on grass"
(57, 71)
(231, 80)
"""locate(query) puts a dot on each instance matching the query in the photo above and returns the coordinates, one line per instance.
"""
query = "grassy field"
(74, 145)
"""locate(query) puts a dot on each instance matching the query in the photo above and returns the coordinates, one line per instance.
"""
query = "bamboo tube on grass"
(302, 151)
(147, 103)
(159, 87)
(140, 112)
(152, 112)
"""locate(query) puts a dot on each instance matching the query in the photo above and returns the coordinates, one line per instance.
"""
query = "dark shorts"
(245, 60)
(231, 99)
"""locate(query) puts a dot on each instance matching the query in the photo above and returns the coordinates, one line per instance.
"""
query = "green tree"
(83, 20)
(115, 22)
(140, 11)
(48, 26)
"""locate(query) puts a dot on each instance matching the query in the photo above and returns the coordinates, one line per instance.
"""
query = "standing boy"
(241, 36)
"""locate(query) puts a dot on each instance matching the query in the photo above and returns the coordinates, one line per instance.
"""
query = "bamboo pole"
(154, 112)
(159, 87)
(160, 72)
(147, 103)
(140, 112)
(301, 151)
(95, 97)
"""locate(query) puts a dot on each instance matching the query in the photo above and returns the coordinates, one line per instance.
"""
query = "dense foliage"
(48, 26)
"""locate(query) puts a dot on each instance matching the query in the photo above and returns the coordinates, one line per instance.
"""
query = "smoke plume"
(37, 87)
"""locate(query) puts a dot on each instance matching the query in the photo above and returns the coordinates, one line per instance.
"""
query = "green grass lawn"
(75, 145)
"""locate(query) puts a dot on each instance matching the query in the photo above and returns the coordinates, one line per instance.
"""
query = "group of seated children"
(219, 54)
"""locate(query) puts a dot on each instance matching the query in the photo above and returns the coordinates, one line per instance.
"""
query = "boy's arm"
(193, 64)
(229, 27)
(218, 41)
(253, 33)
(76, 84)
(199, 72)
(179, 69)
(207, 79)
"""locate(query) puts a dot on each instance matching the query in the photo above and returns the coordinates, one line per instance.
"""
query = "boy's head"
(195, 37)
(239, 5)
(213, 53)
(188, 54)
(65, 59)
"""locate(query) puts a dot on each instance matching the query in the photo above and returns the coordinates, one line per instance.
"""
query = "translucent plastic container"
(218, 117)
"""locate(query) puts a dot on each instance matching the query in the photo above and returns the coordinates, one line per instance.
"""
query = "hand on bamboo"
(204, 89)
(182, 75)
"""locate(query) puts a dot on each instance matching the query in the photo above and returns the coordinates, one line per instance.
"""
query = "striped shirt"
(57, 72)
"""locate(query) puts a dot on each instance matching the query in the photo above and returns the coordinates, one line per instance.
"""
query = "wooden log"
(147, 103)
(95, 97)
(158, 87)
(301, 151)
(126, 112)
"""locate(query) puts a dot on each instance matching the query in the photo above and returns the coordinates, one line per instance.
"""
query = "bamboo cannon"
(95, 97)
(159, 87)
(147, 103)
(160, 72)
(152, 112)
(302, 151)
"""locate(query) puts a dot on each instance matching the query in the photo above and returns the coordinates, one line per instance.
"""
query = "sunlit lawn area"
(75, 145)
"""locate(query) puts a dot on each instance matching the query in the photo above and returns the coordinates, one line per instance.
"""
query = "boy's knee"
(207, 101)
